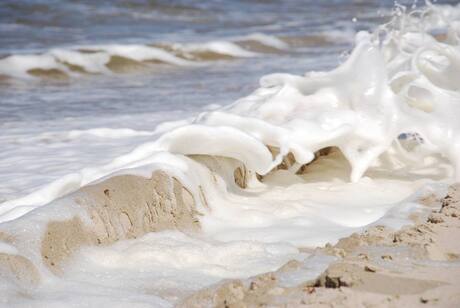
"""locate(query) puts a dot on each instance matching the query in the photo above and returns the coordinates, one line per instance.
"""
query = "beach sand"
(418, 265)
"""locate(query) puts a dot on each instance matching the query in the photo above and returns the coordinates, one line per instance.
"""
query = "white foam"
(175, 252)
(267, 40)
(18, 65)
(139, 53)
(402, 82)
(157, 269)
(90, 62)
(312, 209)
(8, 248)
(219, 47)
(94, 58)
(97, 132)
(104, 132)
(361, 107)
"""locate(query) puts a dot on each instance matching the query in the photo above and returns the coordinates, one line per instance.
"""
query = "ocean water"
(38, 113)
(88, 88)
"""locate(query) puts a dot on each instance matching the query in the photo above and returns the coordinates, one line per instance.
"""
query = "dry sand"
(418, 266)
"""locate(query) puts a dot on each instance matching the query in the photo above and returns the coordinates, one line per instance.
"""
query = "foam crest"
(110, 58)
(102, 59)
(19, 65)
(218, 47)
(139, 53)
(104, 132)
(406, 82)
(267, 40)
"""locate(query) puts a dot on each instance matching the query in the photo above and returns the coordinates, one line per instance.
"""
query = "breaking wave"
(303, 160)
(117, 58)
(400, 79)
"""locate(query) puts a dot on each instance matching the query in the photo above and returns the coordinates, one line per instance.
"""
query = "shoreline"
(379, 266)
(418, 265)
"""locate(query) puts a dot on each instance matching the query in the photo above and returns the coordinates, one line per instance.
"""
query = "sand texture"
(417, 266)
(121, 207)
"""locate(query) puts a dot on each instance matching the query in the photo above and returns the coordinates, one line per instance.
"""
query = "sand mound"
(121, 207)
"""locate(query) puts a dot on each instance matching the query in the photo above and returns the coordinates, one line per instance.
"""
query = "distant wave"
(117, 58)
(99, 132)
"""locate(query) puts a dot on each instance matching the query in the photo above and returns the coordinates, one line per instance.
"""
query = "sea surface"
(57, 118)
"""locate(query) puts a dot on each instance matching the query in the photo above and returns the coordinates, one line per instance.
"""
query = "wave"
(117, 58)
(100, 132)
(400, 79)
(303, 160)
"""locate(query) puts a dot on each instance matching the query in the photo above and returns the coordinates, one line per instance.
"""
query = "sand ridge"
(114, 211)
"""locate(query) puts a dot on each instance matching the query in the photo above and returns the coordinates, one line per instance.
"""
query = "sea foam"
(320, 155)
(401, 82)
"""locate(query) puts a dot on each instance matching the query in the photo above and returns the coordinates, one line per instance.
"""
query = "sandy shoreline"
(418, 265)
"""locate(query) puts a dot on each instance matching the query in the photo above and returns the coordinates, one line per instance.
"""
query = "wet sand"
(417, 266)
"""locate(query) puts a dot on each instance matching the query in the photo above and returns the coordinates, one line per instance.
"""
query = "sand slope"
(121, 207)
